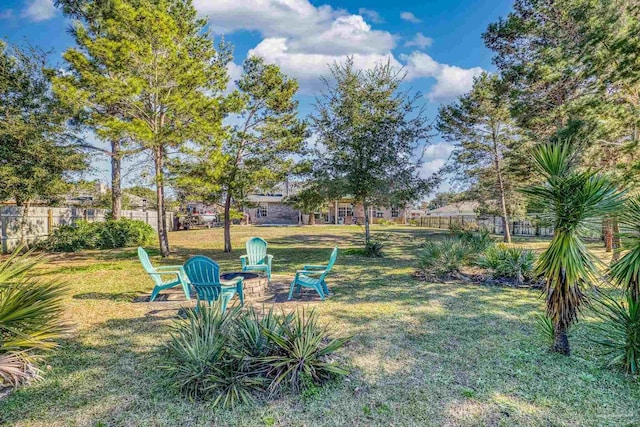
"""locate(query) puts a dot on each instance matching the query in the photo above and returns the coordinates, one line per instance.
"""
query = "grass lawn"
(454, 354)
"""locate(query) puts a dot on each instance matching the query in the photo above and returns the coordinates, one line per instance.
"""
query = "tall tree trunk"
(227, 223)
(116, 178)
(312, 219)
(500, 181)
(24, 219)
(616, 243)
(367, 231)
(163, 238)
(560, 339)
(608, 234)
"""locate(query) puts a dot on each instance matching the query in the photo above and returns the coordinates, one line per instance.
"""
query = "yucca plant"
(575, 198)
(443, 257)
(30, 317)
(508, 262)
(620, 328)
(203, 361)
(626, 271)
(302, 352)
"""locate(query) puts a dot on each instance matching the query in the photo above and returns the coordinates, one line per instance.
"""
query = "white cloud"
(439, 150)
(235, 72)
(39, 10)
(410, 17)
(270, 17)
(420, 40)
(431, 167)
(451, 80)
(371, 15)
(308, 67)
(304, 39)
(346, 35)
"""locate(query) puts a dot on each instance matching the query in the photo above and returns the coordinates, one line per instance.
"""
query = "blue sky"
(438, 42)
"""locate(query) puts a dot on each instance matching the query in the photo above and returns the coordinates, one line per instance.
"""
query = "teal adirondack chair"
(305, 277)
(165, 276)
(204, 275)
(256, 257)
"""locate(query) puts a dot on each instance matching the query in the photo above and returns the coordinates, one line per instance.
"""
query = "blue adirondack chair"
(165, 276)
(256, 257)
(204, 275)
(313, 276)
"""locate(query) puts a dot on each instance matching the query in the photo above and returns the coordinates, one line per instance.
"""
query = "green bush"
(373, 249)
(99, 235)
(229, 357)
(384, 222)
(442, 258)
(30, 318)
(508, 262)
(620, 328)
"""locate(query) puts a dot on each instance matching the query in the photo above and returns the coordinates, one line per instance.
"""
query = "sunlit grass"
(421, 354)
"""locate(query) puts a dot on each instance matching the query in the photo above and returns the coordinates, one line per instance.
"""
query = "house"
(271, 208)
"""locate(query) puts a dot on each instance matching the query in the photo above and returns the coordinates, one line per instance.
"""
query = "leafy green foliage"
(30, 318)
(626, 271)
(231, 356)
(484, 134)
(370, 129)
(110, 234)
(36, 154)
(620, 328)
(441, 258)
(575, 198)
(302, 348)
(477, 238)
(508, 262)
(545, 327)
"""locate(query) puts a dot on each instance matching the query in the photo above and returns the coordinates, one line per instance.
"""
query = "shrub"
(508, 262)
(620, 328)
(373, 249)
(384, 222)
(30, 318)
(99, 235)
(231, 356)
(302, 348)
(441, 258)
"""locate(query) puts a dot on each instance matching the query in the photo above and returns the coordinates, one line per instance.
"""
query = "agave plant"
(30, 317)
(575, 198)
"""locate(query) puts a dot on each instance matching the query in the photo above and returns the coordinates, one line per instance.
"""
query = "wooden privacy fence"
(492, 223)
(40, 221)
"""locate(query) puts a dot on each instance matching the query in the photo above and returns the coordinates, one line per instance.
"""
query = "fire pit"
(254, 284)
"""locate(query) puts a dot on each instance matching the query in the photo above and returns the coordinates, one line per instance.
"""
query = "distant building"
(270, 208)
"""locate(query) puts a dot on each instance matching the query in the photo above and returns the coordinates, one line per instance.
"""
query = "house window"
(378, 214)
(395, 212)
(262, 211)
(345, 211)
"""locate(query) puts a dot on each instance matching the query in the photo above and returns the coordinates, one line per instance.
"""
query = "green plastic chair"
(304, 277)
(204, 275)
(165, 276)
(256, 258)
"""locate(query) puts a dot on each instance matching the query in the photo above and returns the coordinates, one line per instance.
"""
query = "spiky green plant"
(508, 262)
(441, 258)
(575, 198)
(30, 317)
(620, 330)
(626, 271)
(302, 349)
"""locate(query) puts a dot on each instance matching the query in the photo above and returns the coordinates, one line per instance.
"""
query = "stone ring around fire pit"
(255, 285)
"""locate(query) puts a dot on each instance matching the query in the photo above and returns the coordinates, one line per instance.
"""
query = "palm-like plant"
(30, 310)
(626, 271)
(575, 198)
